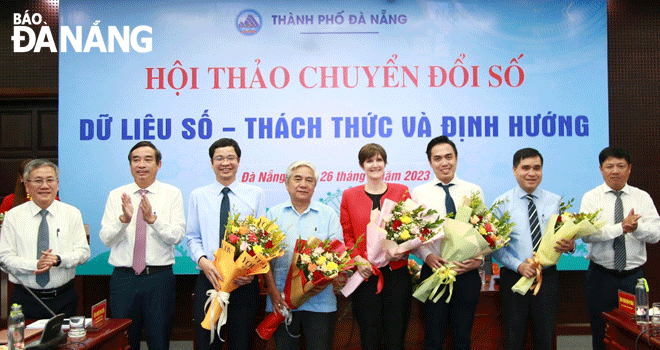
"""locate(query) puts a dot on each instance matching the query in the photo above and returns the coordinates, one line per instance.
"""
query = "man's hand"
(46, 261)
(397, 256)
(435, 261)
(565, 245)
(276, 299)
(241, 281)
(126, 208)
(147, 213)
(210, 272)
(363, 267)
(527, 270)
(629, 224)
(466, 265)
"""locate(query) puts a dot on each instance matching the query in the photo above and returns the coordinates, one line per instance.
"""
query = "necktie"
(224, 212)
(534, 226)
(619, 244)
(140, 248)
(449, 202)
(42, 246)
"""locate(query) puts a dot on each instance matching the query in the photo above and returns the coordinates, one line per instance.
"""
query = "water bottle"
(16, 328)
(642, 301)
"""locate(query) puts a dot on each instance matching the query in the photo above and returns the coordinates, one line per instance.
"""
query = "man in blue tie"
(443, 194)
(530, 208)
(42, 242)
(208, 211)
(618, 250)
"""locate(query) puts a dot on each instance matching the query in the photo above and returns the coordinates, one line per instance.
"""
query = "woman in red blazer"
(383, 316)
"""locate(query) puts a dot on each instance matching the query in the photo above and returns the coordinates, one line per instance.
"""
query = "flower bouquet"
(474, 231)
(560, 226)
(248, 246)
(394, 230)
(314, 263)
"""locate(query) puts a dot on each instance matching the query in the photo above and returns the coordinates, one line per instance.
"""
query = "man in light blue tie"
(618, 250)
(41, 243)
(530, 208)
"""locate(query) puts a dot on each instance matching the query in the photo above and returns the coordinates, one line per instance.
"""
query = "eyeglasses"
(228, 158)
(39, 181)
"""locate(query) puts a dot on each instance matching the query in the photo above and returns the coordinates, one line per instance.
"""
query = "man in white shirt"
(42, 242)
(142, 223)
(444, 194)
(618, 250)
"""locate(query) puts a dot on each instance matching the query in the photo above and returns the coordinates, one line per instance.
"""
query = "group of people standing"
(145, 219)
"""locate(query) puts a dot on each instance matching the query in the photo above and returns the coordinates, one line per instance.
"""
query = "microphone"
(52, 336)
(5, 269)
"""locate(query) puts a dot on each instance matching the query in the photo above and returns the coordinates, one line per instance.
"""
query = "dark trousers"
(241, 313)
(149, 302)
(318, 328)
(458, 313)
(540, 308)
(602, 290)
(65, 303)
(384, 315)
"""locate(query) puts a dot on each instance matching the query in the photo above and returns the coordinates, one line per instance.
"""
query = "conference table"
(113, 336)
(623, 333)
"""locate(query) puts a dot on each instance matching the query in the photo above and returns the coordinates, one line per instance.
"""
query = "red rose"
(488, 227)
(490, 239)
(269, 244)
(252, 238)
(233, 238)
(559, 218)
(396, 224)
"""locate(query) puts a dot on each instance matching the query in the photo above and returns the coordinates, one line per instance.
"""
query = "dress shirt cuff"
(163, 231)
(422, 252)
(645, 233)
(196, 255)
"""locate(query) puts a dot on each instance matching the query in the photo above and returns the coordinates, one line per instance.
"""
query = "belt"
(53, 292)
(147, 270)
(615, 273)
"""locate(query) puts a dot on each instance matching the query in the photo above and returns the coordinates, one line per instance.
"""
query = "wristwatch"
(59, 261)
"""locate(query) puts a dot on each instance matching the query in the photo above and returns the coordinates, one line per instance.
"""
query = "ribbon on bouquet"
(443, 276)
(222, 299)
(376, 271)
(536, 264)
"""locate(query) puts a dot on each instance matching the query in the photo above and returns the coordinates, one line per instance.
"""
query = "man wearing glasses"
(208, 212)
(41, 243)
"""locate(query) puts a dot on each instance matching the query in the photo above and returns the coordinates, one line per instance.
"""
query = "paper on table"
(40, 324)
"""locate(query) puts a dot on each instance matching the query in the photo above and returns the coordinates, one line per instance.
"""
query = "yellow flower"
(405, 234)
(482, 230)
(320, 260)
(332, 266)
(258, 249)
(263, 222)
(234, 229)
(406, 219)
